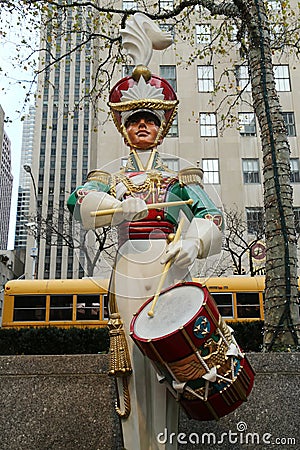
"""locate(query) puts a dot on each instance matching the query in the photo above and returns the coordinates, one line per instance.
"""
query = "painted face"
(142, 129)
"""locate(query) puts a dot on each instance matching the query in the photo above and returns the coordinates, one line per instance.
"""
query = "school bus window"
(225, 304)
(105, 307)
(61, 307)
(88, 307)
(247, 305)
(29, 308)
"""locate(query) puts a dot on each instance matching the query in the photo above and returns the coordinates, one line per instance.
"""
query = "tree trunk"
(281, 309)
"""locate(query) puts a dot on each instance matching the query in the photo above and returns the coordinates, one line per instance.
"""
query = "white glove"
(133, 209)
(97, 201)
(185, 252)
(202, 239)
(207, 234)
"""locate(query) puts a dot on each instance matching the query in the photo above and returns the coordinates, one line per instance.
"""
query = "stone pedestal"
(67, 403)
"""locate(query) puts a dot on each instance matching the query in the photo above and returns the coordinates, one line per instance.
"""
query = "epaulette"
(191, 175)
(99, 175)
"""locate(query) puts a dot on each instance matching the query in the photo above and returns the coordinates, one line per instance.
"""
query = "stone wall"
(66, 403)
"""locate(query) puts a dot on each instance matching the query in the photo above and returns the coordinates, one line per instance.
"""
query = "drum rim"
(149, 300)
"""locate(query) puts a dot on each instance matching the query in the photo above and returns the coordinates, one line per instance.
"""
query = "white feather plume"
(140, 36)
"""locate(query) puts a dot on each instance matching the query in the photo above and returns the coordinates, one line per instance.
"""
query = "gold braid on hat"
(153, 100)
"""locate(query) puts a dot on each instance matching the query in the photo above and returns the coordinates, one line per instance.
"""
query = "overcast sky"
(12, 98)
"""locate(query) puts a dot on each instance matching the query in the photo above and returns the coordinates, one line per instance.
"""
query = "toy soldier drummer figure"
(143, 107)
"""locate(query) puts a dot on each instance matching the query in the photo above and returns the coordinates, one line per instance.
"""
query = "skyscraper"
(6, 182)
(61, 148)
(24, 180)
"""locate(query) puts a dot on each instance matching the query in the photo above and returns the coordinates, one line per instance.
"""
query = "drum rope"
(126, 400)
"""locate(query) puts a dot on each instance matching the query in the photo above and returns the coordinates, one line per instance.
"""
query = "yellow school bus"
(84, 302)
(60, 303)
(239, 298)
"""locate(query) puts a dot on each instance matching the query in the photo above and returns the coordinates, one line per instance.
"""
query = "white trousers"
(153, 408)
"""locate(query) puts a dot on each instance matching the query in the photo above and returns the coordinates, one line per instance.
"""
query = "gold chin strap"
(139, 162)
(161, 133)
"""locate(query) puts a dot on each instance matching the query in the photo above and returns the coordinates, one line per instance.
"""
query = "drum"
(193, 351)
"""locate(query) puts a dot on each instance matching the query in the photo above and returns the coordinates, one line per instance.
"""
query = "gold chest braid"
(153, 188)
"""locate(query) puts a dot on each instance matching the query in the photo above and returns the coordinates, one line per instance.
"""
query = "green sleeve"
(202, 206)
(72, 200)
(88, 186)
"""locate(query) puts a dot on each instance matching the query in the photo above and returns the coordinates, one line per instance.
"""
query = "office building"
(6, 183)
(25, 181)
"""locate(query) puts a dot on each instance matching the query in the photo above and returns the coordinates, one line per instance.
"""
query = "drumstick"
(105, 212)
(165, 271)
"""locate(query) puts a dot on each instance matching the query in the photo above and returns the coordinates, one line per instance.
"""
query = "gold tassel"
(120, 364)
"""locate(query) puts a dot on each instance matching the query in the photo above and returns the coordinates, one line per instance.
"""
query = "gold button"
(158, 218)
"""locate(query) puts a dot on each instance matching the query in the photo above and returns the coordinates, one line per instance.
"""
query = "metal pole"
(35, 250)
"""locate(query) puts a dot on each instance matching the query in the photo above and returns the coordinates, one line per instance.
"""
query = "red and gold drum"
(194, 351)
(185, 316)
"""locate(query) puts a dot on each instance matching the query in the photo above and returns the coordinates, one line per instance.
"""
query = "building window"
(169, 74)
(251, 171)
(289, 120)
(247, 125)
(166, 5)
(276, 29)
(130, 5)
(282, 78)
(211, 171)
(168, 28)
(232, 34)
(297, 219)
(173, 131)
(274, 5)
(205, 78)
(295, 175)
(208, 125)
(124, 161)
(127, 70)
(243, 78)
(255, 220)
(277, 34)
(203, 34)
(171, 163)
